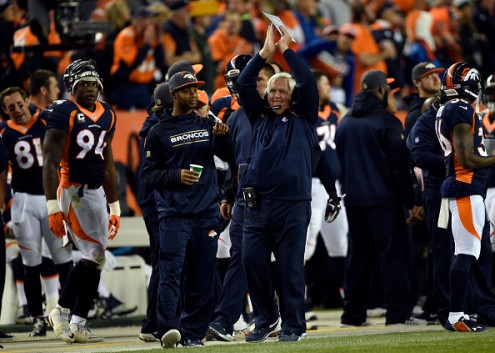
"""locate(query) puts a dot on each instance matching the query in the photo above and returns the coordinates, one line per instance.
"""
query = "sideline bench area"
(127, 281)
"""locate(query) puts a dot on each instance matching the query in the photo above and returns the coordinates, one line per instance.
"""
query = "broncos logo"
(189, 76)
(470, 74)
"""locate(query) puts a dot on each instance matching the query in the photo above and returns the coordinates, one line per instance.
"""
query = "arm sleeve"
(324, 173)
(306, 92)
(154, 172)
(246, 86)
(424, 149)
(399, 161)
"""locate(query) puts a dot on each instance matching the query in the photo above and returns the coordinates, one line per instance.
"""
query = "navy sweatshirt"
(172, 144)
(373, 156)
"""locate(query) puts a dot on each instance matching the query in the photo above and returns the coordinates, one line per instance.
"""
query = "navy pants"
(377, 235)
(230, 303)
(152, 226)
(442, 251)
(278, 226)
(185, 245)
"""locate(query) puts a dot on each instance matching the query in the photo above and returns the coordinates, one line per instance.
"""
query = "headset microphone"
(273, 107)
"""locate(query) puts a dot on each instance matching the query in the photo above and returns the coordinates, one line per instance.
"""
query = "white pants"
(30, 225)
(468, 220)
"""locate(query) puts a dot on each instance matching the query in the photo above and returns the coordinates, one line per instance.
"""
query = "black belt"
(91, 187)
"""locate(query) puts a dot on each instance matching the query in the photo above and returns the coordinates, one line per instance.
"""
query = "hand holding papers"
(277, 22)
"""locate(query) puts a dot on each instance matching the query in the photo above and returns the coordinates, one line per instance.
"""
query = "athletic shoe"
(431, 319)
(170, 338)
(82, 333)
(289, 336)
(344, 324)
(217, 331)
(59, 319)
(148, 337)
(241, 325)
(411, 321)
(376, 312)
(465, 325)
(39, 327)
(310, 316)
(23, 316)
(260, 334)
(5, 338)
(192, 342)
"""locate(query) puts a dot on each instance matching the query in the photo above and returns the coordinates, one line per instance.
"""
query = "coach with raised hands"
(284, 151)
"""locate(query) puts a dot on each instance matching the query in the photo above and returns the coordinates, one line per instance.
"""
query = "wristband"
(114, 208)
(52, 206)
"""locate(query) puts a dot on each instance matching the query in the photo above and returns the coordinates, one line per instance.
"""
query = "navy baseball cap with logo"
(182, 80)
(161, 96)
(424, 69)
(373, 79)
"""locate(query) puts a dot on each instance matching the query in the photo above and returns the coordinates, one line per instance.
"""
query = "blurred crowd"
(342, 38)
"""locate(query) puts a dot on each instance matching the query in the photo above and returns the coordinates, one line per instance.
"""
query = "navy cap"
(183, 80)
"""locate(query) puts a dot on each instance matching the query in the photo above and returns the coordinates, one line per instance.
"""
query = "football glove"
(113, 220)
(333, 208)
(55, 218)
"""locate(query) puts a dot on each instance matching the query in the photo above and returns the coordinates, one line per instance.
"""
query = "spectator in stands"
(444, 31)
(476, 47)
(312, 23)
(389, 26)
(226, 42)
(369, 54)
(8, 75)
(177, 40)
(335, 58)
(137, 58)
(337, 12)
(201, 22)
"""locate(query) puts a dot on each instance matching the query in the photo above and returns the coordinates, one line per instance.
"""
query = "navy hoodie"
(373, 156)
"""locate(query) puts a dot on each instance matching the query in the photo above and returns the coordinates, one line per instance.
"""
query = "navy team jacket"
(284, 150)
(172, 144)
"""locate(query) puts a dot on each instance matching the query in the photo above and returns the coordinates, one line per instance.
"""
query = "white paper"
(277, 22)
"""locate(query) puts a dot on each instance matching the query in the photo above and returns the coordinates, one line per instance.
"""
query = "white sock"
(454, 317)
(103, 290)
(77, 319)
(21, 295)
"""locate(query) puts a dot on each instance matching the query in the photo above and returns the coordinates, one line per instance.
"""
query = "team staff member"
(460, 134)
(146, 200)
(426, 80)
(23, 136)
(427, 154)
(78, 140)
(284, 154)
(370, 142)
(187, 204)
(233, 294)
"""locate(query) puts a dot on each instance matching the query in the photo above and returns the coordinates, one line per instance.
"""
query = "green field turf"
(407, 342)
